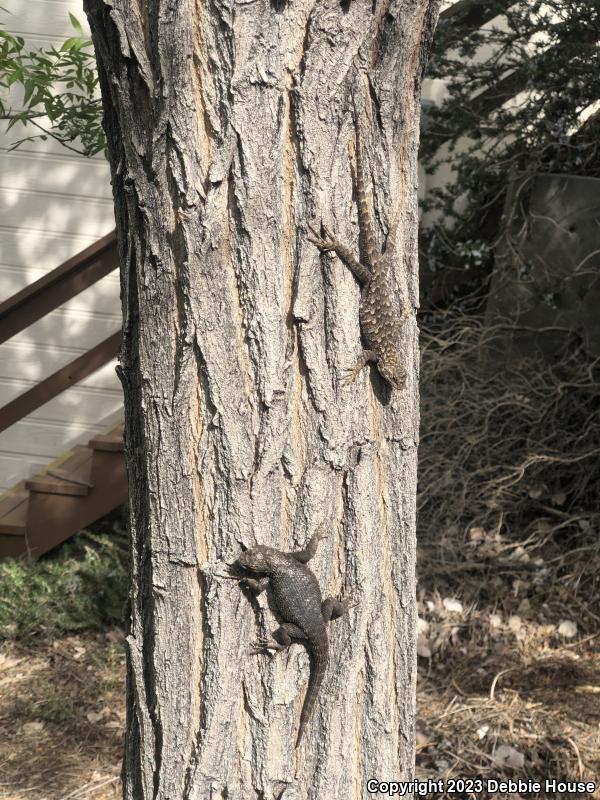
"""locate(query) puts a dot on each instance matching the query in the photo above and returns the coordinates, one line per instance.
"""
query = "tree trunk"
(228, 131)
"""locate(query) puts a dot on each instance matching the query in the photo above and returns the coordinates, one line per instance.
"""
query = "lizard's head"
(393, 372)
(257, 559)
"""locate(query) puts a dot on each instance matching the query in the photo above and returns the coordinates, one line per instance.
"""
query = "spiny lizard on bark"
(297, 599)
(380, 321)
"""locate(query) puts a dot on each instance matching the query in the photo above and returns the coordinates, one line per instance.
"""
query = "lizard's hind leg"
(281, 638)
(332, 608)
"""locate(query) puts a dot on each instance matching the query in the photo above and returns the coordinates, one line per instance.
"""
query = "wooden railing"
(35, 301)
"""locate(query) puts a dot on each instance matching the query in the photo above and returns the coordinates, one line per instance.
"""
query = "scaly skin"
(297, 598)
(380, 322)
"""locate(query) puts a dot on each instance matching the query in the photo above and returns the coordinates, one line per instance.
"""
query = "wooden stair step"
(54, 518)
(12, 499)
(75, 468)
(63, 475)
(110, 442)
(70, 476)
(13, 514)
(80, 454)
(77, 488)
(49, 485)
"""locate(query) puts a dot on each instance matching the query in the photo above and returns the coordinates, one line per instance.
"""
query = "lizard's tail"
(318, 658)
(362, 190)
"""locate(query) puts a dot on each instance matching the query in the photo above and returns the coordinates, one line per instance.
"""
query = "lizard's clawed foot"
(320, 532)
(350, 601)
(323, 243)
(263, 645)
(350, 375)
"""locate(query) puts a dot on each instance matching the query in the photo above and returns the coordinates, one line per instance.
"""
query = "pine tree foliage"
(523, 97)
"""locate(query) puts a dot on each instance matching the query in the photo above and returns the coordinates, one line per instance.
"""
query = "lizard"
(380, 321)
(297, 600)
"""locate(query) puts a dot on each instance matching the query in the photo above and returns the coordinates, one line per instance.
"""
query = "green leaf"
(76, 24)
(63, 83)
(69, 44)
(29, 90)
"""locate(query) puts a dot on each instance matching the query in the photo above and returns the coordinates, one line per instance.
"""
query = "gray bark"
(228, 129)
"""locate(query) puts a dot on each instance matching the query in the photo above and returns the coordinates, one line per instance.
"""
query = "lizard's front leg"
(257, 585)
(351, 375)
(330, 243)
(304, 556)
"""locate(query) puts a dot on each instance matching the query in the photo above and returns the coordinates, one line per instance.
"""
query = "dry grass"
(487, 684)
(509, 562)
(509, 601)
(506, 695)
(61, 718)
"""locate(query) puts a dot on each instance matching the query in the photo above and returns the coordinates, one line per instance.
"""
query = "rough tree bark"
(228, 130)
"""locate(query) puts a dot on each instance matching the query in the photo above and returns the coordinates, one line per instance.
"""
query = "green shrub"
(82, 585)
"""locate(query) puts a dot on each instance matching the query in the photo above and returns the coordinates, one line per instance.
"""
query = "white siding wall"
(53, 203)
(434, 92)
